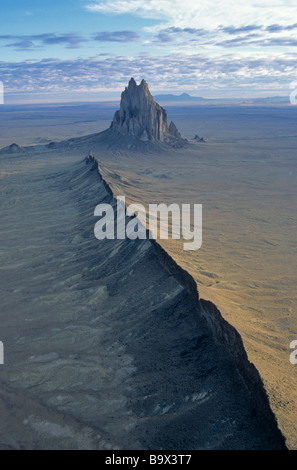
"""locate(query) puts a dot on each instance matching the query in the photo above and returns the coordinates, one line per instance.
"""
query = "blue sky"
(88, 49)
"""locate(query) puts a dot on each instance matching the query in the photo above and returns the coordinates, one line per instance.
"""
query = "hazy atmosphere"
(127, 342)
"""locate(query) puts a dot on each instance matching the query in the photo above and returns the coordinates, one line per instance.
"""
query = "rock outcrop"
(173, 130)
(199, 139)
(141, 117)
(13, 148)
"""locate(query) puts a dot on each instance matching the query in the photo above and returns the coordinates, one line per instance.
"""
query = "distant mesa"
(141, 117)
(182, 97)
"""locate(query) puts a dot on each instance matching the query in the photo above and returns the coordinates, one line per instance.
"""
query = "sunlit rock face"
(140, 116)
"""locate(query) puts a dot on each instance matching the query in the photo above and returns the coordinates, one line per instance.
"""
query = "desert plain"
(244, 175)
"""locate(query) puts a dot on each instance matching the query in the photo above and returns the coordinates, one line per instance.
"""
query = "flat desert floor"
(245, 177)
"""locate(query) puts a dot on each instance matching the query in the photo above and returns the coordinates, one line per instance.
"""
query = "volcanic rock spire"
(140, 116)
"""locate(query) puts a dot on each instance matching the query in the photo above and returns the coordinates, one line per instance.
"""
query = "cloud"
(23, 42)
(182, 35)
(191, 31)
(21, 45)
(206, 14)
(70, 40)
(210, 25)
(247, 37)
(273, 28)
(164, 36)
(116, 36)
(241, 29)
(256, 40)
(280, 42)
(191, 72)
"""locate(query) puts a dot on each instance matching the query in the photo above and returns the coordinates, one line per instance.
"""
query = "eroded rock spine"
(141, 117)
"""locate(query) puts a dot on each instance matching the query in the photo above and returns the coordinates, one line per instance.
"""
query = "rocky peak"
(140, 116)
(173, 130)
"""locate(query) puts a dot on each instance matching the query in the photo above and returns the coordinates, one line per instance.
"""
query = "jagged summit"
(140, 116)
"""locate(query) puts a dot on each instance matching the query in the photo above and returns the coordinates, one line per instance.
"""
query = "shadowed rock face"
(140, 116)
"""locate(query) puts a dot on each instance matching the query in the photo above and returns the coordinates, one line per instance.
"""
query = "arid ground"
(244, 175)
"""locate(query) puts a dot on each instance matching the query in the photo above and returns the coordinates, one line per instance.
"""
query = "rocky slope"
(242, 377)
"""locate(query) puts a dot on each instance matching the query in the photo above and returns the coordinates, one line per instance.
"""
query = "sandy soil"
(105, 347)
(247, 263)
(245, 177)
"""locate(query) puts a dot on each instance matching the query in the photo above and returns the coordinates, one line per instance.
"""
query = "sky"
(81, 50)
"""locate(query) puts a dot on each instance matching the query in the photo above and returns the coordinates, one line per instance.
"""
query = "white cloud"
(176, 72)
(203, 13)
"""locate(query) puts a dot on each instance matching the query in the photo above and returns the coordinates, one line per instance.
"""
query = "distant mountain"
(270, 100)
(182, 97)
